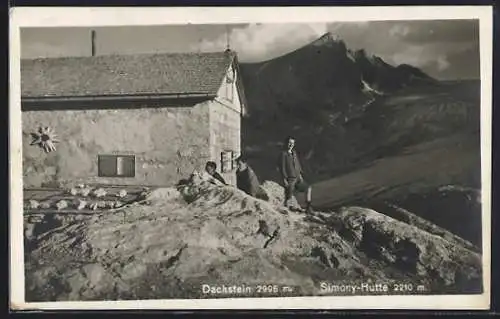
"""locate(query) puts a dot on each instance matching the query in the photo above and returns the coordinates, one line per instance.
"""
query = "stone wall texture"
(225, 126)
(168, 144)
(225, 131)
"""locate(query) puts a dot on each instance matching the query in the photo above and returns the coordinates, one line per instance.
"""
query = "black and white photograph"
(253, 159)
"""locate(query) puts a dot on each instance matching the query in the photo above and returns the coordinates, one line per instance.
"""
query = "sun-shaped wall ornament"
(45, 138)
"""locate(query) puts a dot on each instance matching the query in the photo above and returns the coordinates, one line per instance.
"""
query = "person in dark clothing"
(246, 179)
(210, 167)
(291, 173)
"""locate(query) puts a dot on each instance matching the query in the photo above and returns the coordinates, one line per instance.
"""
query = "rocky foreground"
(180, 243)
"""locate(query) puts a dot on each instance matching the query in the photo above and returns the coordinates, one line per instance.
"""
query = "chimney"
(93, 42)
(228, 40)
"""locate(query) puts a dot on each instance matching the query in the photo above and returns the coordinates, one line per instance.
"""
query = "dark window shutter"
(106, 165)
(128, 163)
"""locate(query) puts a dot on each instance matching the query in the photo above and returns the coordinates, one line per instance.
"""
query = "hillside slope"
(206, 234)
(384, 128)
(426, 179)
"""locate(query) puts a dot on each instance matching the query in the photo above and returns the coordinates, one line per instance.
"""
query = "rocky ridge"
(179, 239)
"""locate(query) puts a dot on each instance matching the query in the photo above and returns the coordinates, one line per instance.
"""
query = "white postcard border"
(65, 16)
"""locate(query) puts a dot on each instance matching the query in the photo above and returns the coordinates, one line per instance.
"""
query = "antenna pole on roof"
(200, 40)
(93, 42)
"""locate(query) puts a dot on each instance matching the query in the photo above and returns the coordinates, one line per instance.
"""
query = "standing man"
(291, 173)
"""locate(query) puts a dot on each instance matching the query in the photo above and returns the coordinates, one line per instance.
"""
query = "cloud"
(398, 30)
(442, 31)
(54, 42)
(443, 63)
(415, 55)
(452, 61)
(257, 42)
(425, 54)
(464, 64)
(430, 45)
(443, 49)
(40, 50)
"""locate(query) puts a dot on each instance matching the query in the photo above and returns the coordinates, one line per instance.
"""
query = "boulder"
(62, 204)
(276, 194)
(410, 248)
(45, 204)
(122, 193)
(101, 204)
(33, 204)
(81, 204)
(85, 192)
(100, 192)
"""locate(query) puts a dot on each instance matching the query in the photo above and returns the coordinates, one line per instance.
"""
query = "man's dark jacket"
(289, 165)
(247, 181)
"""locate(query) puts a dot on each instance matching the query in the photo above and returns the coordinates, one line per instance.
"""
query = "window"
(229, 92)
(116, 165)
(227, 161)
(230, 78)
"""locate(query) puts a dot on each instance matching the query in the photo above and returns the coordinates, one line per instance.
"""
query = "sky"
(445, 49)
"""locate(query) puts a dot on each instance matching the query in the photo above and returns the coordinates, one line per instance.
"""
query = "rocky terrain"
(174, 240)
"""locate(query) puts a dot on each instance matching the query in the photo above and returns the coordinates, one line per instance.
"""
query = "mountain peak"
(327, 38)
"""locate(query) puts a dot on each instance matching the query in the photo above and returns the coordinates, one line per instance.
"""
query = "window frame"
(229, 83)
(124, 157)
(227, 165)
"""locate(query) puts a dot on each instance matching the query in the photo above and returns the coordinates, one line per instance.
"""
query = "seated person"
(246, 179)
(210, 168)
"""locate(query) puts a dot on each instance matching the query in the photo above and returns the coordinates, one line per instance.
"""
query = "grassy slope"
(419, 168)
